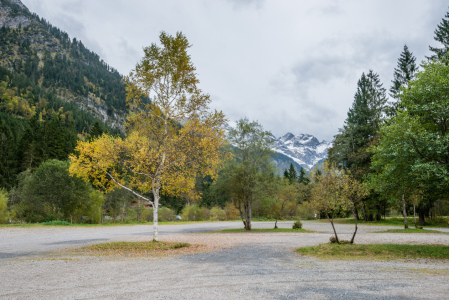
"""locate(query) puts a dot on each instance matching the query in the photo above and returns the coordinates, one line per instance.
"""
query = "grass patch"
(411, 230)
(265, 230)
(120, 248)
(376, 251)
(65, 223)
(437, 222)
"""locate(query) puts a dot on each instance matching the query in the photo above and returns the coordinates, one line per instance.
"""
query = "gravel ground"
(229, 266)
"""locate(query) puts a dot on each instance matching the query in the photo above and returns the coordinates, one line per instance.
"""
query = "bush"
(195, 213)
(217, 214)
(306, 211)
(297, 225)
(232, 213)
(164, 214)
(4, 214)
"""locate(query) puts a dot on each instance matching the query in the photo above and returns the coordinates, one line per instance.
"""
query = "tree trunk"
(333, 227)
(422, 220)
(365, 217)
(355, 213)
(155, 215)
(276, 224)
(355, 230)
(414, 214)
(248, 216)
(404, 212)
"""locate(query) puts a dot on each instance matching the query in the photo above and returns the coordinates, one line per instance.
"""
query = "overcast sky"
(291, 65)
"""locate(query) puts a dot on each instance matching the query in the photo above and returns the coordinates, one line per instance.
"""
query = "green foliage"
(4, 213)
(195, 213)
(413, 150)
(50, 193)
(217, 214)
(297, 224)
(248, 176)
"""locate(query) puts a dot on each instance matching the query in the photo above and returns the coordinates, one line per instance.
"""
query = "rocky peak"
(10, 17)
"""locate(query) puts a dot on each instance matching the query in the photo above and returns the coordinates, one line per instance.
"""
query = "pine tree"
(442, 36)
(404, 72)
(302, 178)
(95, 131)
(292, 173)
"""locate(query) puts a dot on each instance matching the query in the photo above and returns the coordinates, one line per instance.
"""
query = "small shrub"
(165, 214)
(232, 213)
(332, 240)
(297, 225)
(195, 213)
(217, 214)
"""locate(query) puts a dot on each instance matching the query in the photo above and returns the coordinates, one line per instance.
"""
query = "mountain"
(304, 150)
(42, 69)
(53, 91)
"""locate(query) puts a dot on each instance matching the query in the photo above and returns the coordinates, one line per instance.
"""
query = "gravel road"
(235, 265)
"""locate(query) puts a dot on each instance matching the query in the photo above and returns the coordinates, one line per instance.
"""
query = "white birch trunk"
(155, 216)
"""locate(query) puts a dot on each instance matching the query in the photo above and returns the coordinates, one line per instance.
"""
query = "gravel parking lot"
(35, 264)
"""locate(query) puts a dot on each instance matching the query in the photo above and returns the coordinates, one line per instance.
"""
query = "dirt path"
(236, 266)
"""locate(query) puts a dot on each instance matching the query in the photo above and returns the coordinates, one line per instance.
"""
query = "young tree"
(169, 141)
(248, 176)
(327, 193)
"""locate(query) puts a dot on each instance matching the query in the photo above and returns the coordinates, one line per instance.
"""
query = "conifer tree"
(442, 36)
(302, 178)
(292, 174)
(404, 72)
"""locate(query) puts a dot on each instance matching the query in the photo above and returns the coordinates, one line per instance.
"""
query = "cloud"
(244, 4)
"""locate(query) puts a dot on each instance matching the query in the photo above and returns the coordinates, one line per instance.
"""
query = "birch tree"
(169, 140)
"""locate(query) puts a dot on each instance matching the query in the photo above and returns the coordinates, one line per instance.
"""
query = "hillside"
(42, 68)
(53, 91)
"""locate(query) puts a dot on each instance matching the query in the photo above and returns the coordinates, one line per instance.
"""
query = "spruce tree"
(286, 175)
(442, 36)
(292, 173)
(302, 178)
(404, 72)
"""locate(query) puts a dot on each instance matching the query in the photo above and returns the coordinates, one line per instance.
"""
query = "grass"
(396, 221)
(265, 230)
(120, 248)
(411, 230)
(65, 223)
(376, 251)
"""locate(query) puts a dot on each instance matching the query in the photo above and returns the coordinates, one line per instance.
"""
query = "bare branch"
(128, 189)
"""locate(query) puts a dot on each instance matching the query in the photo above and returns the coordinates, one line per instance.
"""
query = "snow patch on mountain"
(304, 149)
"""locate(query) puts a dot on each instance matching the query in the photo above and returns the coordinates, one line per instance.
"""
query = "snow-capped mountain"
(304, 149)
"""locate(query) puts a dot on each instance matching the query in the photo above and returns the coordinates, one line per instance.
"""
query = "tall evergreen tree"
(292, 173)
(362, 124)
(302, 177)
(404, 72)
(442, 36)
(349, 149)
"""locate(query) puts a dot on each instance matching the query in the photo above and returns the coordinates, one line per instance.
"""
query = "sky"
(291, 65)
